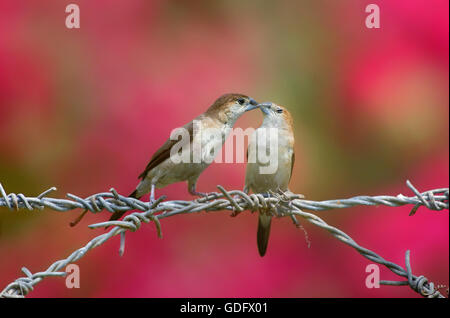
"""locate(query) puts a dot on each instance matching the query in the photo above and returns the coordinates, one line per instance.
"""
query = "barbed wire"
(278, 203)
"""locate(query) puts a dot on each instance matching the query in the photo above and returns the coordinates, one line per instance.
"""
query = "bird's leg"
(191, 189)
(152, 194)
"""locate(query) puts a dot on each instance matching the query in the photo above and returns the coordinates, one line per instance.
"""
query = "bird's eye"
(279, 110)
(241, 101)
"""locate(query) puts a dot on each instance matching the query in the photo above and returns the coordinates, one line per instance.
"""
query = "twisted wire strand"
(280, 204)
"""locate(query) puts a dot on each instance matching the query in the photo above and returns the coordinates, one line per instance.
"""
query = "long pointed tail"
(118, 214)
(263, 234)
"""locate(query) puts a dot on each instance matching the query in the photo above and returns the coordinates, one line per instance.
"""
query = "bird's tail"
(118, 214)
(263, 234)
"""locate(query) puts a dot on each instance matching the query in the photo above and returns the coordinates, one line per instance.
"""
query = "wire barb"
(279, 204)
(418, 284)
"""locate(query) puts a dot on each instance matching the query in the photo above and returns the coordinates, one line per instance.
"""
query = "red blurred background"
(84, 109)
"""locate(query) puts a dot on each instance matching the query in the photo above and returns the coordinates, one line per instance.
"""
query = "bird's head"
(229, 107)
(276, 114)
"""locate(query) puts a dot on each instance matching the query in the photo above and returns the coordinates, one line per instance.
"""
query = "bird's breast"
(269, 161)
(209, 139)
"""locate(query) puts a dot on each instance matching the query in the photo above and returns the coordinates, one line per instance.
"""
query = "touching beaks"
(265, 107)
(252, 104)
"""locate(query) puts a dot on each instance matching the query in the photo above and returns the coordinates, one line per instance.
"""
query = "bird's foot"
(201, 194)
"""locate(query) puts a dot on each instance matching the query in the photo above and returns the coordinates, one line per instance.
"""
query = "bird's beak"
(265, 107)
(252, 104)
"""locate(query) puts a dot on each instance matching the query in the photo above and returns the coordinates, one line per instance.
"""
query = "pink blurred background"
(84, 109)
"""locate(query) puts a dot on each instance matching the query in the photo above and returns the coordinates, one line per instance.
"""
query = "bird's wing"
(292, 164)
(247, 172)
(163, 152)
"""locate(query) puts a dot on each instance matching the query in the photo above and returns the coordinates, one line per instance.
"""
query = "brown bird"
(275, 137)
(197, 147)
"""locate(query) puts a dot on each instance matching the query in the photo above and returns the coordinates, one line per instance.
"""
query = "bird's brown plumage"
(218, 112)
(163, 152)
(224, 100)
